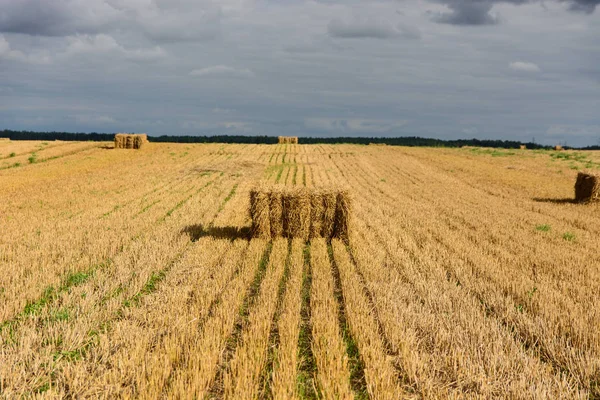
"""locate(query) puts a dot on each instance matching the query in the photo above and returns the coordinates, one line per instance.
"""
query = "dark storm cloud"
(477, 12)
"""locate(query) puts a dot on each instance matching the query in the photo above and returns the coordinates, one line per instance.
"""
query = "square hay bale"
(587, 187)
(558, 147)
(287, 139)
(299, 212)
(130, 141)
(523, 147)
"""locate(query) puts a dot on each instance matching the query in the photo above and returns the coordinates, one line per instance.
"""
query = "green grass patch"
(569, 237)
(543, 228)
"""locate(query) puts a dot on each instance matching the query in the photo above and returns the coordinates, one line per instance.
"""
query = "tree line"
(412, 141)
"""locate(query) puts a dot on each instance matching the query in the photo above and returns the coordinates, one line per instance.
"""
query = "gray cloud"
(467, 13)
(478, 12)
(587, 6)
(181, 20)
(53, 17)
(369, 28)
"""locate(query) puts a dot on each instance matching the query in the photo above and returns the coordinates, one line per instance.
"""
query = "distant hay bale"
(558, 147)
(287, 139)
(4, 139)
(523, 147)
(130, 141)
(587, 187)
(377, 144)
(299, 212)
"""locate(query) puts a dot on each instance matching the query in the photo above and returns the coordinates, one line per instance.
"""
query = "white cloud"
(524, 66)
(223, 70)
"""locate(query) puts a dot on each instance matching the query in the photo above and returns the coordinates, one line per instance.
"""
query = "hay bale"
(558, 147)
(342, 216)
(287, 139)
(130, 141)
(523, 147)
(276, 211)
(299, 212)
(587, 187)
(259, 212)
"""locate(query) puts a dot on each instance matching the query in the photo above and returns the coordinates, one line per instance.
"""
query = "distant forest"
(393, 141)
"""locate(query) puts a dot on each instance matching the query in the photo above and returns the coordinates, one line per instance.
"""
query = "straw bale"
(259, 211)
(130, 141)
(276, 211)
(287, 139)
(342, 215)
(558, 147)
(587, 187)
(299, 212)
(523, 147)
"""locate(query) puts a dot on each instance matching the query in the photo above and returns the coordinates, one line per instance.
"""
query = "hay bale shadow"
(556, 201)
(197, 231)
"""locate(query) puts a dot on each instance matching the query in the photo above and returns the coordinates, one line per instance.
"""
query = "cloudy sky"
(508, 69)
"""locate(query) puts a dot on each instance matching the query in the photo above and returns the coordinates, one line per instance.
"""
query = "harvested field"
(467, 273)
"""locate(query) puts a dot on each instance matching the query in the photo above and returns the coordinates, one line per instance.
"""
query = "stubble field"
(469, 274)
